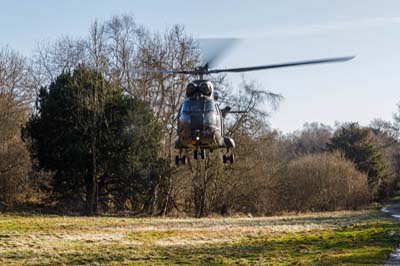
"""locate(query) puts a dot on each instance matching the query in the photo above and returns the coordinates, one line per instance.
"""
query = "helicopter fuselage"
(200, 121)
(200, 125)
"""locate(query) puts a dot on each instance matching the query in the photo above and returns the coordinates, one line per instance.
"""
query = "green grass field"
(345, 238)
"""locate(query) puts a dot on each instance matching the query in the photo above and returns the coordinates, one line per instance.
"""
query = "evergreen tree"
(358, 145)
(102, 145)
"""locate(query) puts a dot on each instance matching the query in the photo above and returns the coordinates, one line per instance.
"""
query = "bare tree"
(15, 98)
(313, 138)
(216, 186)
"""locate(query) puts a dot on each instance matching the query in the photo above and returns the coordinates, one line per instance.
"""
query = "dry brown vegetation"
(321, 182)
(14, 97)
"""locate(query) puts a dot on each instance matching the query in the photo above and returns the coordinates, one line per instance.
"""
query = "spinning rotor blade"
(167, 72)
(150, 71)
(238, 112)
(213, 49)
(204, 69)
(299, 63)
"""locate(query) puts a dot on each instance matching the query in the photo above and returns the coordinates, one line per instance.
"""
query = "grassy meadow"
(346, 238)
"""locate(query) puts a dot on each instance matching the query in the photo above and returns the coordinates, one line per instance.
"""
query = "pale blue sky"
(276, 31)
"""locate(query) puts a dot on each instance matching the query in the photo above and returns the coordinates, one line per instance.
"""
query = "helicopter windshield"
(198, 106)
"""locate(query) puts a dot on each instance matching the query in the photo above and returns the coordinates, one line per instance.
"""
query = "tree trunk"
(92, 188)
(199, 192)
(154, 200)
(167, 199)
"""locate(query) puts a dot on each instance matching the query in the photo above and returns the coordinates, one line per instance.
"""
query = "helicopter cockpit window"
(198, 106)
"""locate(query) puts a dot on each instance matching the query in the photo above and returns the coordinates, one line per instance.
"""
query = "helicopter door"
(220, 124)
(179, 119)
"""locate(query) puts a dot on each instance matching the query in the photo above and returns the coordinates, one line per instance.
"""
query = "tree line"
(84, 130)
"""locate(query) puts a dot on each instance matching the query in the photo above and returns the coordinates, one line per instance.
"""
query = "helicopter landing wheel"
(180, 159)
(228, 157)
(203, 154)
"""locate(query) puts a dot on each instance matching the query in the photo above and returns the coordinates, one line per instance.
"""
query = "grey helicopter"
(200, 119)
(200, 126)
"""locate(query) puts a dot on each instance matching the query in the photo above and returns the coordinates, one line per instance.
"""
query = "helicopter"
(200, 123)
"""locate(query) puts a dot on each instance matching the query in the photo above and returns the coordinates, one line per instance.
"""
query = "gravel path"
(394, 211)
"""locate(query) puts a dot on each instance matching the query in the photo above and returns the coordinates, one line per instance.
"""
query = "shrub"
(320, 182)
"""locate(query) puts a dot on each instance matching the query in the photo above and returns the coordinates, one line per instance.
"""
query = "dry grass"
(55, 240)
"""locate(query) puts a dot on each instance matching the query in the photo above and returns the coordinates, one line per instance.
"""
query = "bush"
(320, 182)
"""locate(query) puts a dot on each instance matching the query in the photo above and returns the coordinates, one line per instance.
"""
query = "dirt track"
(394, 211)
